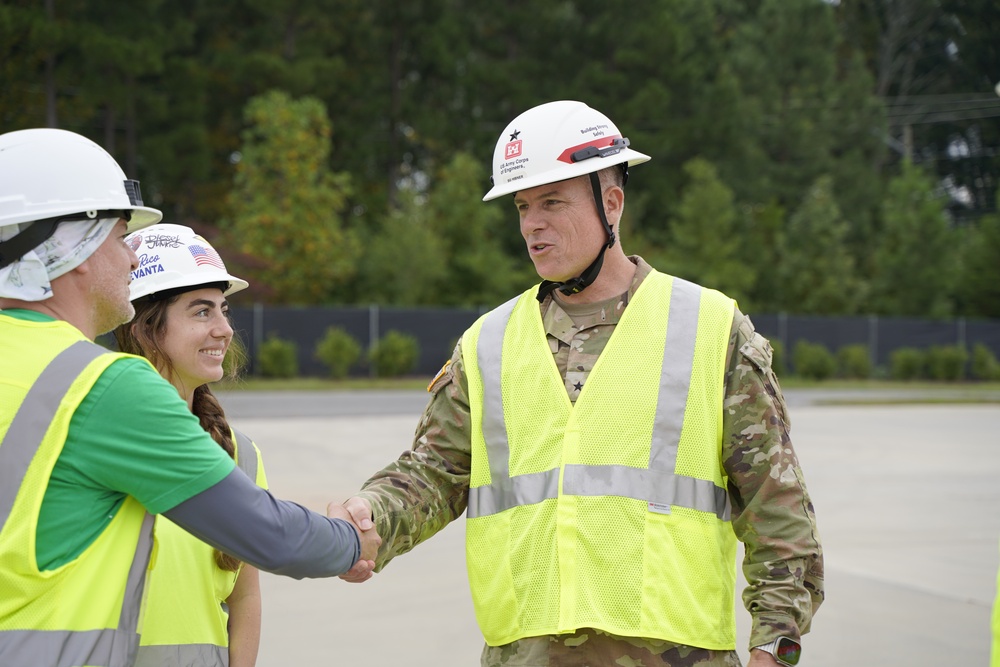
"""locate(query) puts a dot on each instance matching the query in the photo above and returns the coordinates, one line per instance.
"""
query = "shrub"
(813, 360)
(278, 358)
(338, 350)
(394, 354)
(853, 361)
(984, 363)
(906, 363)
(947, 362)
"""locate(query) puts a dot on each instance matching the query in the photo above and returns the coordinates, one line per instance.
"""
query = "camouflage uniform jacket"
(427, 487)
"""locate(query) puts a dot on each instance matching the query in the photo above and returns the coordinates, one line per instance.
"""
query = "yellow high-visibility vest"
(86, 611)
(185, 622)
(610, 513)
(995, 651)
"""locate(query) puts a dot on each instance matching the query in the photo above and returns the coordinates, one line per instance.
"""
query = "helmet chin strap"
(589, 275)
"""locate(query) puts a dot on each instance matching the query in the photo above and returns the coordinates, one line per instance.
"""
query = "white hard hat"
(554, 142)
(172, 258)
(48, 173)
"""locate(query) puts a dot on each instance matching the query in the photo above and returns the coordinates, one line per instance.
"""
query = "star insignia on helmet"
(513, 135)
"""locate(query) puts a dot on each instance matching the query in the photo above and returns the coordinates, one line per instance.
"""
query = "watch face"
(788, 651)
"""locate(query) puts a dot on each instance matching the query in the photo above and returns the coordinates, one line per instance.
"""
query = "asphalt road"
(906, 499)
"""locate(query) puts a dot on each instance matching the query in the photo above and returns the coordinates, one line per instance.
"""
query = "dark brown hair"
(143, 336)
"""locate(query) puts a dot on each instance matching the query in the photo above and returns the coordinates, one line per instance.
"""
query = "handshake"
(358, 512)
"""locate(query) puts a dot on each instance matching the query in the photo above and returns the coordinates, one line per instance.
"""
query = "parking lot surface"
(906, 497)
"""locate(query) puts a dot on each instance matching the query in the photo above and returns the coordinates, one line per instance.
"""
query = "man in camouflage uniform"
(427, 487)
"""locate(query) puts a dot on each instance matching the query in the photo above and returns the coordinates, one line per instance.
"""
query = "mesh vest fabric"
(184, 621)
(995, 650)
(84, 612)
(610, 513)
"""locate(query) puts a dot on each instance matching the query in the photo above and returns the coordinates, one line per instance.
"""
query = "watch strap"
(772, 648)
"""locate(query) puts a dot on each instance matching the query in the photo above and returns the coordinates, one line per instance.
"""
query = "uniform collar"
(564, 322)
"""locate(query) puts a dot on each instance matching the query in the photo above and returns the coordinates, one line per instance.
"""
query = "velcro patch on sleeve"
(443, 377)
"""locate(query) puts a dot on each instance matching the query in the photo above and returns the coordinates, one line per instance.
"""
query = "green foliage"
(287, 203)
(947, 362)
(446, 247)
(775, 95)
(813, 361)
(704, 246)
(338, 350)
(907, 363)
(278, 358)
(980, 281)
(479, 270)
(984, 363)
(914, 261)
(763, 233)
(394, 354)
(817, 274)
(854, 361)
(404, 261)
(806, 107)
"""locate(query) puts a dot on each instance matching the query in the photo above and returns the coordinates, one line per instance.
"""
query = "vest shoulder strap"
(246, 454)
(27, 430)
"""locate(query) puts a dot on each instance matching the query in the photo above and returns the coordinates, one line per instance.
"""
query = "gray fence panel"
(983, 331)
(899, 332)
(437, 330)
(305, 326)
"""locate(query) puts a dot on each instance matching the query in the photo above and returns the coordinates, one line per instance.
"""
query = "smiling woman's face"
(197, 336)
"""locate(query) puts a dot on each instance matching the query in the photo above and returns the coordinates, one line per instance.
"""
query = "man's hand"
(760, 658)
(359, 514)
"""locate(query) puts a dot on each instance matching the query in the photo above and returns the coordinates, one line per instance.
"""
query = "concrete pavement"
(906, 498)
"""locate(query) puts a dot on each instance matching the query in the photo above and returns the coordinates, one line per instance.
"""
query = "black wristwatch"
(785, 650)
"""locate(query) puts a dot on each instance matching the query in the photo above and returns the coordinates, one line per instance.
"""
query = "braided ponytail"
(209, 411)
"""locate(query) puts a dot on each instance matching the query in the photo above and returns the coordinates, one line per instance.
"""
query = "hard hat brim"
(142, 217)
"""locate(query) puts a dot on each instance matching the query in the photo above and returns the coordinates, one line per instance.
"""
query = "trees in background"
(816, 270)
(915, 260)
(979, 290)
(705, 245)
(344, 146)
(287, 204)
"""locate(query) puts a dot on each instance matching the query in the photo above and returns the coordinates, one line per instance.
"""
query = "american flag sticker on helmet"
(206, 255)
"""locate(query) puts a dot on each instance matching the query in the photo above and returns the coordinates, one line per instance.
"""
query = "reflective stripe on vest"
(64, 648)
(658, 484)
(28, 428)
(209, 655)
(246, 454)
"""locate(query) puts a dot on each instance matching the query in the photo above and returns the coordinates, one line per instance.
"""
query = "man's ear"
(614, 204)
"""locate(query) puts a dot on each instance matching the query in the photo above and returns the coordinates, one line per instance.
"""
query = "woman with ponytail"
(203, 606)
